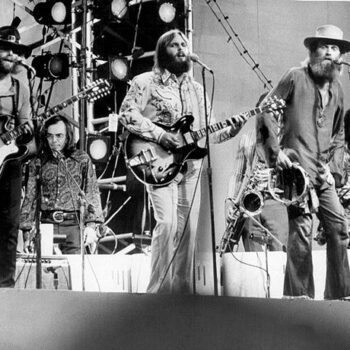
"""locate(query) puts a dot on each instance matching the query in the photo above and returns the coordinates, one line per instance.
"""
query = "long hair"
(160, 56)
(347, 128)
(69, 146)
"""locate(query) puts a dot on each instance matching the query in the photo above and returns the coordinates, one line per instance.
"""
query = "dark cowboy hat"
(10, 39)
(330, 34)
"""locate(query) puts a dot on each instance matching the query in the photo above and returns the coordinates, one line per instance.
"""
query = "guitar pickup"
(144, 157)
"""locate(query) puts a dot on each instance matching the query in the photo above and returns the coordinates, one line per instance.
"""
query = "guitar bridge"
(144, 157)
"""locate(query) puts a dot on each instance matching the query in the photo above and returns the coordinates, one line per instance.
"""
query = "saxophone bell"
(252, 202)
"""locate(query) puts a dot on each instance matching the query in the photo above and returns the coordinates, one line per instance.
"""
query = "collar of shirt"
(165, 75)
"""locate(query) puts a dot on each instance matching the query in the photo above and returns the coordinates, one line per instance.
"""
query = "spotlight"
(98, 148)
(119, 8)
(110, 9)
(51, 66)
(53, 12)
(119, 68)
(167, 12)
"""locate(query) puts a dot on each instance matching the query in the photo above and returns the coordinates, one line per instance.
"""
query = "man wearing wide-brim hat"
(15, 111)
(313, 125)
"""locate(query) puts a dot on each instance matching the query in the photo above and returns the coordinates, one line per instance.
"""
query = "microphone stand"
(82, 243)
(265, 241)
(210, 185)
(82, 207)
(37, 224)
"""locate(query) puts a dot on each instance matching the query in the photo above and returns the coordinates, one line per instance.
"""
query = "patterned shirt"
(159, 97)
(62, 182)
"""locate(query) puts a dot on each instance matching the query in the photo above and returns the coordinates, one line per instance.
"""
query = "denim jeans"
(176, 211)
(299, 270)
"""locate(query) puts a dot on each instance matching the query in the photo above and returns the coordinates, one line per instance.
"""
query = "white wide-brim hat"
(329, 33)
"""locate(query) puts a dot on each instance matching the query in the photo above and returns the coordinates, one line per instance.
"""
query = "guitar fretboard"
(199, 134)
(13, 134)
(60, 106)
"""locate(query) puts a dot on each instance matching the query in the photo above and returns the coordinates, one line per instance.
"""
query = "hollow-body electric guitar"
(9, 149)
(154, 165)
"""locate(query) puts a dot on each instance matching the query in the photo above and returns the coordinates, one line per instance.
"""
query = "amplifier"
(55, 272)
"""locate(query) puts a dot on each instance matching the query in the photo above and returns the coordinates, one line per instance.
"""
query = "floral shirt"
(62, 183)
(159, 97)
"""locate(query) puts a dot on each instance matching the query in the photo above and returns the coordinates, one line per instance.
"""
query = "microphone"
(103, 186)
(52, 269)
(196, 59)
(27, 66)
(57, 154)
(339, 63)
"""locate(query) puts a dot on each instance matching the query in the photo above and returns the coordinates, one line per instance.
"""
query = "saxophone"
(251, 200)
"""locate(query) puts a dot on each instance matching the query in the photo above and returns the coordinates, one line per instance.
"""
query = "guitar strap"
(15, 99)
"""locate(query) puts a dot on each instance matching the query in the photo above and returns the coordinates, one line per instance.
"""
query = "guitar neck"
(54, 110)
(201, 133)
(13, 134)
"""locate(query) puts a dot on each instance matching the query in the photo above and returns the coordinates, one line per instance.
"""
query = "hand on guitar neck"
(237, 121)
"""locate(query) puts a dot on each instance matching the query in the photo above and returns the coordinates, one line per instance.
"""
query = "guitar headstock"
(273, 104)
(97, 89)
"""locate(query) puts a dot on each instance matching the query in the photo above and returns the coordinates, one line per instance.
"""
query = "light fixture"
(98, 148)
(119, 8)
(53, 12)
(110, 9)
(167, 12)
(51, 66)
(119, 68)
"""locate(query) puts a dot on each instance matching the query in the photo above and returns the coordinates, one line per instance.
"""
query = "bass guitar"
(9, 150)
(154, 165)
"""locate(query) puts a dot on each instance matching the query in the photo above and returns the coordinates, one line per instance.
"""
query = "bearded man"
(14, 110)
(313, 127)
(163, 96)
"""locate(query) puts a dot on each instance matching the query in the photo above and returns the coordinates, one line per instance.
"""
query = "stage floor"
(70, 320)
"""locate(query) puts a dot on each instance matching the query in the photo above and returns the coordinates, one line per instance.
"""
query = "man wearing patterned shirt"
(163, 96)
(67, 179)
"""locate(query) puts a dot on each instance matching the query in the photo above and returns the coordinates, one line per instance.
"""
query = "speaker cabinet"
(55, 273)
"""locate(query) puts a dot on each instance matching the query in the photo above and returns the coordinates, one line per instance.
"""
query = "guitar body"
(10, 152)
(154, 165)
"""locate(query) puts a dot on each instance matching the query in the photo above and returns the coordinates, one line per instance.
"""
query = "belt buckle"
(57, 216)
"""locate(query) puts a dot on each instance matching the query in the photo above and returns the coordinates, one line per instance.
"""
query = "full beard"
(177, 67)
(324, 70)
(7, 66)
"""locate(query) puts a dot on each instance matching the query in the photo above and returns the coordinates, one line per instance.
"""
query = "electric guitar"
(9, 150)
(154, 165)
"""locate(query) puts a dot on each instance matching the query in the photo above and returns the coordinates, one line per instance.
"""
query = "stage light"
(51, 66)
(98, 148)
(119, 8)
(53, 12)
(110, 9)
(167, 12)
(119, 68)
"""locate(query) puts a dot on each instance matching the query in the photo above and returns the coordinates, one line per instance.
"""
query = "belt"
(59, 215)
